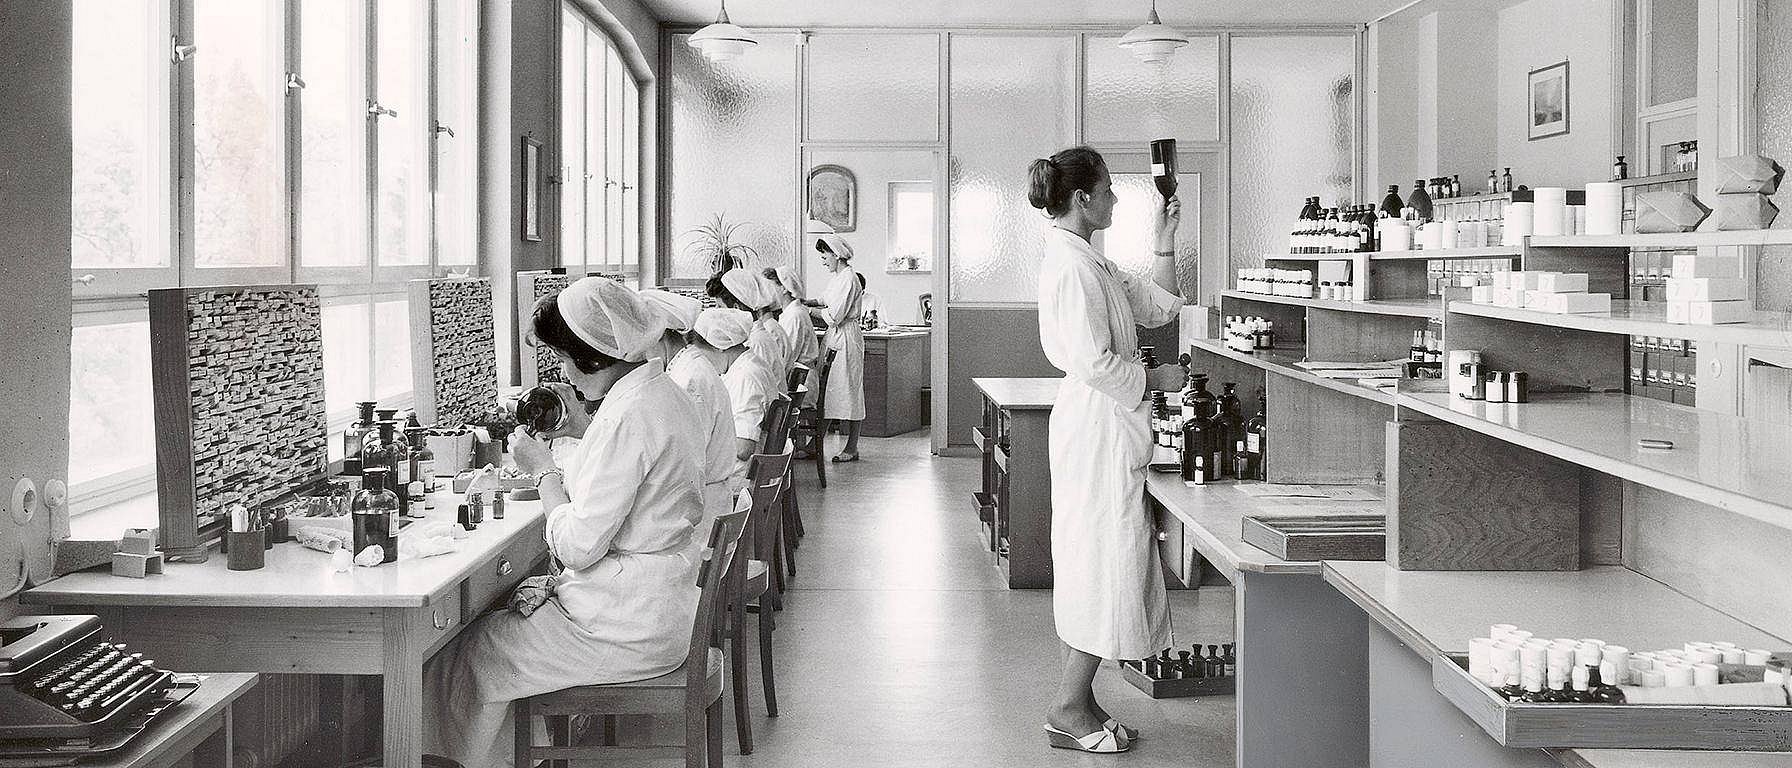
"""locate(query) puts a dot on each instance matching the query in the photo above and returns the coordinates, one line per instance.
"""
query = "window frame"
(616, 190)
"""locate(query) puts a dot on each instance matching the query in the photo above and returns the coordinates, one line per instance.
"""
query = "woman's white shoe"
(1102, 742)
(1125, 733)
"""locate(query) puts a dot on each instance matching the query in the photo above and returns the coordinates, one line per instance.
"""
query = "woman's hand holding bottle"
(1164, 224)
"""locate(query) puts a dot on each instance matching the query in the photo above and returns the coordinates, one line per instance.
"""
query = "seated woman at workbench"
(620, 527)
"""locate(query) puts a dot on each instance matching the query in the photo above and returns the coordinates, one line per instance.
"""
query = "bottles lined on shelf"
(1349, 229)
(1534, 670)
(1216, 662)
(1296, 283)
(1249, 334)
(1686, 157)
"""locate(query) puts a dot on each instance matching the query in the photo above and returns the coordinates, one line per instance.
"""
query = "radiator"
(275, 719)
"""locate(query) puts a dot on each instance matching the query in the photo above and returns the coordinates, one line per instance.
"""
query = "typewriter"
(61, 679)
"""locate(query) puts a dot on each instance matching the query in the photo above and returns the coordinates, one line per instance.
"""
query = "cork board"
(454, 365)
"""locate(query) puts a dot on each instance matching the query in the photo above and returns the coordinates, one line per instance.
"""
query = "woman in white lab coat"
(727, 336)
(619, 524)
(793, 317)
(846, 377)
(1108, 597)
(692, 370)
(746, 290)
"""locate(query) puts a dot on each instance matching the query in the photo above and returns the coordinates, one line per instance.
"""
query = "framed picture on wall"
(834, 197)
(531, 190)
(1548, 114)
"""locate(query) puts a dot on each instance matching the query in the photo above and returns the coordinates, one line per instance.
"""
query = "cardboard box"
(1706, 289)
(1507, 297)
(1502, 279)
(1530, 280)
(1709, 312)
(1575, 303)
(1706, 265)
(1562, 282)
(1481, 294)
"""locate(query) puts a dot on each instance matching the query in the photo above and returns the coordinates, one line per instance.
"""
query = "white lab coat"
(846, 379)
(693, 372)
(772, 346)
(751, 388)
(628, 585)
(1108, 596)
(805, 348)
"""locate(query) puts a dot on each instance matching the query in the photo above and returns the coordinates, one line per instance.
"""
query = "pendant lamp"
(722, 41)
(1153, 41)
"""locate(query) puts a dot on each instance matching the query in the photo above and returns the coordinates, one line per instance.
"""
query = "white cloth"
(846, 379)
(805, 348)
(628, 590)
(723, 328)
(681, 311)
(751, 288)
(792, 279)
(1108, 588)
(772, 346)
(612, 318)
(699, 379)
(750, 389)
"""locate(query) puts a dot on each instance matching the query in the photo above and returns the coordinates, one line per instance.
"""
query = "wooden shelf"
(1281, 361)
(1645, 318)
(1484, 197)
(1426, 308)
(1430, 254)
(1666, 240)
(1213, 517)
(1717, 459)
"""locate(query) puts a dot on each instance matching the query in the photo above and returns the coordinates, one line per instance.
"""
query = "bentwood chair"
(693, 690)
(765, 477)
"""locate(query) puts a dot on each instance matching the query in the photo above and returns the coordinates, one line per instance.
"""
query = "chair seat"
(758, 578)
(653, 695)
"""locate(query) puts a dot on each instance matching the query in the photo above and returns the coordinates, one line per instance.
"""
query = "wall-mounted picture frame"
(531, 190)
(1547, 115)
(834, 197)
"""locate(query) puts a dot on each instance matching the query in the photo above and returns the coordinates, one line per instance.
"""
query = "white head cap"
(791, 280)
(611, 317)
(836, 244)
(723, 328)
(750, 287)
(681, 311)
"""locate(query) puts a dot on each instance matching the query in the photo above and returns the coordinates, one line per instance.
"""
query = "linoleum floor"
(900, 645)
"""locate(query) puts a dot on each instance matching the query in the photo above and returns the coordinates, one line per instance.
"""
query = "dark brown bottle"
(1601, 692)
(386, 454)
(1256, 439)
(1194, 451)
(1391, 204)
(1219, 445)
(1228, 661)
(1163, 166)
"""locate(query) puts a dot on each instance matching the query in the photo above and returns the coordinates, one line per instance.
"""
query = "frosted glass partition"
(1128, 241)
(733, 126)
(869, 87)
(1293, 130)
(1012, 99)
(1134, 101)
(1673, 51)
(1773, 106)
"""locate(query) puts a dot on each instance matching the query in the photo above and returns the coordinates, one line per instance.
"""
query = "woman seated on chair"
(692, 368)
(620, 604)
(745, 290)
(725, 337)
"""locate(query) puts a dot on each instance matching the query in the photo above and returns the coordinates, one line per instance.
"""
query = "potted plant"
(717, 242)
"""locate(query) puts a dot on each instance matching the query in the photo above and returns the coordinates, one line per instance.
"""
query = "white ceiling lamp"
(722, 41)
(1152, 40)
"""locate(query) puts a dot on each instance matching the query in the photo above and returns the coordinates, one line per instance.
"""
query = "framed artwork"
(531, 190)
(1548, 101)
(834, 197)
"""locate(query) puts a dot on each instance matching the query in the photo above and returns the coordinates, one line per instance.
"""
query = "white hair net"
(612, 318)
(750, 287)
(835, 244)
(681, 311)
(792, 280)
(723, 328)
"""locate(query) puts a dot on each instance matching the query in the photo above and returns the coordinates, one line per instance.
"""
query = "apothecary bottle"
(375, 512)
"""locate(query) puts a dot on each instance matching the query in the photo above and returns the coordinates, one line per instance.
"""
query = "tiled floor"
(900, 646)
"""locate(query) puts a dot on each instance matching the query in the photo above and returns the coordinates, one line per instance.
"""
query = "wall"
(35, 173)
(874, 170)
(1405, 94)
(1539, 33)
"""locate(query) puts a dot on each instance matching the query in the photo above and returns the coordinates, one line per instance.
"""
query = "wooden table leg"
(217, 751)
(402, 689)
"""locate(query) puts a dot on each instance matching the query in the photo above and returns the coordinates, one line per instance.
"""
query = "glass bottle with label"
(384, 453)
(1506, 181)
(1234, 425)
(1419, 202)
(375, 512)
(1194, 450)
(355, 437)
(1620, 169)
(1254, 434)
(423, 467)
(1197, 402)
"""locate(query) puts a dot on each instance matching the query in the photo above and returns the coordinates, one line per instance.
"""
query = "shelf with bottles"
(1725, 461)
(1427, 308)
(1695, 239)
(1426, 254)
(1645, 318)
(1281, 361)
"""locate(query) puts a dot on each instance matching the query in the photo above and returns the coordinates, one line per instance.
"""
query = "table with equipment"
(297, 615)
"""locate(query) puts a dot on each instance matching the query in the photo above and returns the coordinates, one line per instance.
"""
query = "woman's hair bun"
(1051, 181)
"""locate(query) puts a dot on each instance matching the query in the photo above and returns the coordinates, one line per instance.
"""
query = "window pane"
(572, 141)
(348, 377)
(595, 117)
(120, 116)
(333, 61)
(457, 61)
(403, 150)
(631, 173)
(911, 225)
(239, 158)
(613, 157)
(391, 349)
(1131, 101)
(111, 425)
(904, 105)
(1673, 51)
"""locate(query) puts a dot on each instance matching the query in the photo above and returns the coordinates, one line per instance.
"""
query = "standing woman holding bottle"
(1108, 598)
(842, 312)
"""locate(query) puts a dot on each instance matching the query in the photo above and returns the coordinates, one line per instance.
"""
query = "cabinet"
(898, 378)
(1015, 504)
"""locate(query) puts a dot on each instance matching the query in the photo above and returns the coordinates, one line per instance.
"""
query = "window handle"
(294, 82)
(86, 279)
(373, 108)
(445, 129)
(179, 52)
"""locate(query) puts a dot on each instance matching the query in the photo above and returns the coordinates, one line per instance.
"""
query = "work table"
(1213, 515)
(1020, 394)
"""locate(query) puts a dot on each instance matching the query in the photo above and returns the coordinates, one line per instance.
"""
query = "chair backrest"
(774, 429)
(721, 570)
(799, 373)
(821, 384)
(765, 479)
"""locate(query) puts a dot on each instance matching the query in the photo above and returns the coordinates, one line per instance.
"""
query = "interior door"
(1200, 258)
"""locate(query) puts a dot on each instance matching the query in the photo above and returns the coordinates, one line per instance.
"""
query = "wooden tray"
(1611, 726)
(1310, 538)
(1173, 689)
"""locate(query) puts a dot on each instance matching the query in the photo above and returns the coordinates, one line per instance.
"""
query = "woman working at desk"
(620, 525)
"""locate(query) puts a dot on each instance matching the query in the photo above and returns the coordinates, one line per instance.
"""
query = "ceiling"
(955, 13)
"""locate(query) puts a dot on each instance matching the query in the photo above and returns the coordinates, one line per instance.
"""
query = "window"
(600, 114)
(324, 107)
(911, 226)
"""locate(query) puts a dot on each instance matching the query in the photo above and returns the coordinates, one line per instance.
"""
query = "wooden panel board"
(1462, 501)
(1221, 369)
(1607, 269)
(1316, 435)
(1712, 555)
(988, 342)
(1554, 357)
(1358, 337)
(454, 366)
(300, 640)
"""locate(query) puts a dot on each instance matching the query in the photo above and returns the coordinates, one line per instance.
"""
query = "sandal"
(1102, 742)
(1128, 734)
(846, 458)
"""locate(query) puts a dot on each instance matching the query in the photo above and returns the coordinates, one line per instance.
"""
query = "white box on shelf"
(1531, 280)
(1537, 300)
(1709, 312)
(1562, 282)
(1508, 297)
(1502, 279)
(1576, 303)
(1687, 265)
(1481, 294)
(1706, 288)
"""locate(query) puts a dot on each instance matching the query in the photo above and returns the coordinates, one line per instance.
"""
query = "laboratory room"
(1167, 383)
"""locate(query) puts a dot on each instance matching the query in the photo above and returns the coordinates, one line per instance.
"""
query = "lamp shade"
(722, 41)
(1152, 40)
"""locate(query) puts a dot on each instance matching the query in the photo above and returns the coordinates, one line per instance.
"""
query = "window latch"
(373, 108)
(294, 82)
(445, 129)
(179, 52)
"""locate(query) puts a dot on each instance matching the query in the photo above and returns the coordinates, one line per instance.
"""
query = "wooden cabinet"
(1015, 504)
(898, 379)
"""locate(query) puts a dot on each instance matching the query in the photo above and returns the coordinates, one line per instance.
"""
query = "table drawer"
(497, 577)
(442, 619)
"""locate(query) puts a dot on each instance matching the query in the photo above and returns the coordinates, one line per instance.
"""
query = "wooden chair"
(765, 479)
(810, 426)
(694, 689)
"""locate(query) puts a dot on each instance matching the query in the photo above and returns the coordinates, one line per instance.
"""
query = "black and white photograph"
(871, 384)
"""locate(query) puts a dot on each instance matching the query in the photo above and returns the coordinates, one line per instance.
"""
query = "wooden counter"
(1015, 505)
(898, 381)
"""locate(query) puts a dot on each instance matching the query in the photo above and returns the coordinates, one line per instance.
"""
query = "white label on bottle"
(1158, 169)
(1253, 442)
(426, 471)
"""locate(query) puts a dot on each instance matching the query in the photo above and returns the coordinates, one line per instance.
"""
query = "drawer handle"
(435, 617)
(504, 566)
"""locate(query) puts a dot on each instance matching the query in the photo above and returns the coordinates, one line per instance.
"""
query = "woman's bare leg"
(1074, 710)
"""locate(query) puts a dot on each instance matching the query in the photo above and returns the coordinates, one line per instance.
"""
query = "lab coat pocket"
(1135, 435)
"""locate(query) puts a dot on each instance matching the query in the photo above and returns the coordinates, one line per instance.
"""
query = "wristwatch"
(543, 475)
